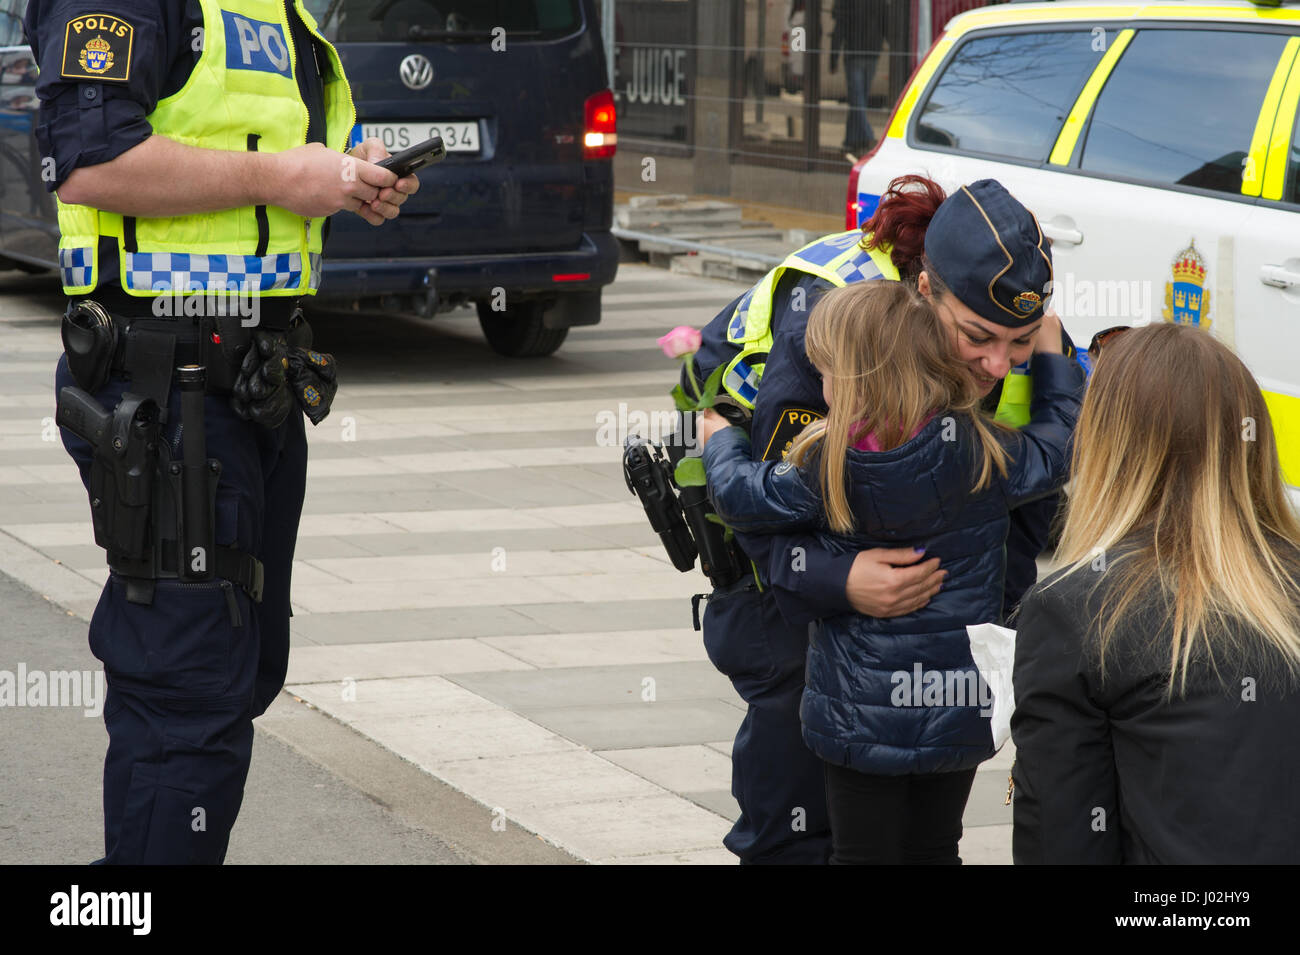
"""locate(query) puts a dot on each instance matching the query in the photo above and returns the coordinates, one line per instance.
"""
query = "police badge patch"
(791, 423)
(97, 47)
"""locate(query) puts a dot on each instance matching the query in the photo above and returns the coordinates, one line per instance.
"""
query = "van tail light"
(599, 135)
(851, 208)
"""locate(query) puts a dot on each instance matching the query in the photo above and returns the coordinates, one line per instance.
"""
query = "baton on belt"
(196, 530)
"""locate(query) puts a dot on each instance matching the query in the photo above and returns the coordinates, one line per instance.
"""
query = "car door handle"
(1062, 234)
(1278, 276)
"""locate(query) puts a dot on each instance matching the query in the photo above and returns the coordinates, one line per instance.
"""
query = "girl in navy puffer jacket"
(895, 707)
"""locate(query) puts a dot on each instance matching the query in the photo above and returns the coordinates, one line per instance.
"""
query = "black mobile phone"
(416, 157)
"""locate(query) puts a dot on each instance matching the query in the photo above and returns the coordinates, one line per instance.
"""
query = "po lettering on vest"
(100, 24)
(801, 417)
(255, 45)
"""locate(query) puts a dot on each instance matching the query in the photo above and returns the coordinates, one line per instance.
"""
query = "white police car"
(1159, 146)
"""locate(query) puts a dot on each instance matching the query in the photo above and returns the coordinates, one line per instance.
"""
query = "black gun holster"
(138, 498)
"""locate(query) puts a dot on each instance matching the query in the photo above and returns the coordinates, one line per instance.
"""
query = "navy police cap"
(991, 253)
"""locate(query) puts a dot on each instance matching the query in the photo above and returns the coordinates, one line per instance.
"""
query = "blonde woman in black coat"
(1157, 702)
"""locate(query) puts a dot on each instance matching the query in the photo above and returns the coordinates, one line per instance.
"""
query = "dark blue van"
(516, 219)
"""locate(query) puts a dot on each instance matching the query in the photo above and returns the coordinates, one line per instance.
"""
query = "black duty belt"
(272, 312)
(149, 348)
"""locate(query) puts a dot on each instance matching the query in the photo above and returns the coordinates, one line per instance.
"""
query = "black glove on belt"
(313, 378)
(260, 392)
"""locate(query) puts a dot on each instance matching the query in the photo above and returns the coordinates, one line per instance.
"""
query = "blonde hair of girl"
(891, 363)
(1174, 454)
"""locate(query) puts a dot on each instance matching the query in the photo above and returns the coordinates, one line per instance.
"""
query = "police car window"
(456, 21)
(1009, 95)
(1180, 107)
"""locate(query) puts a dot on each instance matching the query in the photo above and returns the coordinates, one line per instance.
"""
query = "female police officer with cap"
(192, 151)
(981, 259)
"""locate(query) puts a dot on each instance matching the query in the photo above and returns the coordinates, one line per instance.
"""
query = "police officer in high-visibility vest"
(196, 148)
(755, 630)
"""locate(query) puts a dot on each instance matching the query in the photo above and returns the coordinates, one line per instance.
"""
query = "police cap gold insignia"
(97, 46)
(1026, 302)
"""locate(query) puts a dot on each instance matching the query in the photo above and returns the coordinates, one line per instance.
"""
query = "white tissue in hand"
(993, 649)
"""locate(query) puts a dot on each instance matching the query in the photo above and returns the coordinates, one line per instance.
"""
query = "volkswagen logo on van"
(416, 71)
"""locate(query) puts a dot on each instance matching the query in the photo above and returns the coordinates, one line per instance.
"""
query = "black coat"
(1114, 773)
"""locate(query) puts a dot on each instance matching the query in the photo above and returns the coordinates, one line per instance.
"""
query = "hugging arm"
(1040, 451)
(756, 496)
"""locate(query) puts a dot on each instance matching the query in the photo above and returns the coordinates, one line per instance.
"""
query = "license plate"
(458, 137)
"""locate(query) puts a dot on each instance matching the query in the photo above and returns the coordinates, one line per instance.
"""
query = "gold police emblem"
(96, 56)
(1026, 302)
(97, 47)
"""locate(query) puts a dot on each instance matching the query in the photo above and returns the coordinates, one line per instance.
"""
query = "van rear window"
(444, 21)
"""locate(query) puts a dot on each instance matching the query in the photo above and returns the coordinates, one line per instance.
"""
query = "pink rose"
(682, 340)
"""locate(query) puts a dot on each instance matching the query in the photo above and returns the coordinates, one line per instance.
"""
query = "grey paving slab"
(704, 301)
(608, 615)
(19, 412)
(416, 444)
(83, 555)
(42, 495)
(605, 485)
(475, 542)
(321, 501)
(628, 330)
(47, 453)
(385, 626)
(363, 485)
(634, 535)
(502, 395)
(527, 690)
(514, 440)
(316, 548)
(984, 807)
(28, 511)
(716, 800)
(509, 487)
(627, 725)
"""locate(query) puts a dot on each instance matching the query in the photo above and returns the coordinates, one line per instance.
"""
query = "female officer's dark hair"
(900, 221)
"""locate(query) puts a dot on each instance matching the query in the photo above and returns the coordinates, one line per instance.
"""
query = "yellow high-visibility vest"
(242, 95)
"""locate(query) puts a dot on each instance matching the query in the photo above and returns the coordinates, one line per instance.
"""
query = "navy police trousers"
(775, 778)
(187, 674)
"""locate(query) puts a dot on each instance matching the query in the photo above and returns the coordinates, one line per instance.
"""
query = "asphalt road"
(295, 809)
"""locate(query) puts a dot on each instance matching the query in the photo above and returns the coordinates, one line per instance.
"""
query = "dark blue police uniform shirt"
(814, 587)
(91, 115)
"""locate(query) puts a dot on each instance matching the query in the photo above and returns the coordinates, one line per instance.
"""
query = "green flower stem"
(690, 374)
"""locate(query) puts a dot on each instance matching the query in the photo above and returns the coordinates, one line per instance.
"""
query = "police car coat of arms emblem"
(1187, 300)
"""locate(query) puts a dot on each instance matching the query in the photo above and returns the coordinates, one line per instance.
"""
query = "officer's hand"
(707, 423)
(1049, 338)
(314, 180)
(386, 203)
(888, 582)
